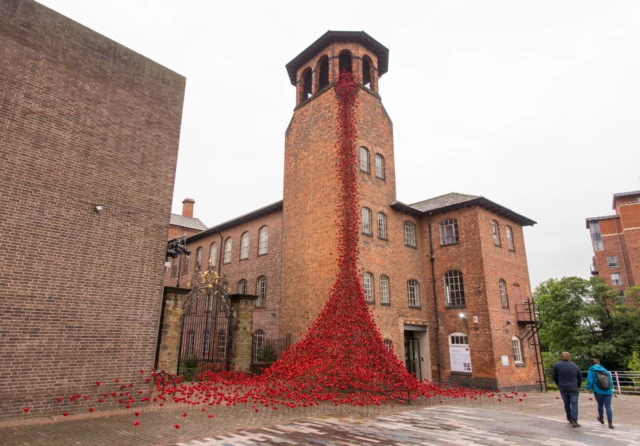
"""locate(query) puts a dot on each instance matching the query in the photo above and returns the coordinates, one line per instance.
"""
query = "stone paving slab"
(537, 420)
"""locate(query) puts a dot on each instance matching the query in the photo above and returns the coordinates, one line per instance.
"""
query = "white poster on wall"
(460, 358)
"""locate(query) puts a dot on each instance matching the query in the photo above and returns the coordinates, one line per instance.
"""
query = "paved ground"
(539, 419)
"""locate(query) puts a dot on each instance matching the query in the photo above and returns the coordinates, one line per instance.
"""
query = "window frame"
(228, 248)
(613, 265)
(367, 212)
(413, 283)
(245, 240)
(213, 254)
(449, 223)
(175, 267)
(459, 340)
(263, 240)
(198, 265)
(410, 232)
(495, 231)
(241, 287)
(385, 290)
(367, 287)
(596, 236)
(185, 264)
(364, 150)
(509, 233)
(380, 166)
(618, 281)
(504, 296)
(261, 291)
(458, 300)
(516, 344)
(382, 226)
(258, 343)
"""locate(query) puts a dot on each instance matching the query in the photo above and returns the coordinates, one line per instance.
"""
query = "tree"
(588, 318)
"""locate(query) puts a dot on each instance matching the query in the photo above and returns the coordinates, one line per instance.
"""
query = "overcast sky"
(532, 104)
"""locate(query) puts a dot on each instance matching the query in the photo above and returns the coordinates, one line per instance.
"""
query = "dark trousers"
(570, 398)
(604, 400)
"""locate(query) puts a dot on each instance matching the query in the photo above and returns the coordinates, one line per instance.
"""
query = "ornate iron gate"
(205, 340)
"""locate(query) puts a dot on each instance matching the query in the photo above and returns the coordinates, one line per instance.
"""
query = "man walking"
(568, 378)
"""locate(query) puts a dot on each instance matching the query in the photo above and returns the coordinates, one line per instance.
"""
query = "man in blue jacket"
(603, 396)
(568, 378)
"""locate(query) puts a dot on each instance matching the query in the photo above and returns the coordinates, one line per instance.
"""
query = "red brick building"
(616, 242)
(89, 135)
(447, 277)
(184, 225)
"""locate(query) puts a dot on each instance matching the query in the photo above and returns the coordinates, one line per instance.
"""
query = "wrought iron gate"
(205, 339)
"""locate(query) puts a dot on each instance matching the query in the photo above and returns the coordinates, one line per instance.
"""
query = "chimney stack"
(187, 207)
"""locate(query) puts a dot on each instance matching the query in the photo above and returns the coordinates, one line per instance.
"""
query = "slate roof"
(187, 222)
(454, 200)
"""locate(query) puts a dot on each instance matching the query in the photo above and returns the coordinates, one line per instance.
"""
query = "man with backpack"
(568, 378)
(599, 380)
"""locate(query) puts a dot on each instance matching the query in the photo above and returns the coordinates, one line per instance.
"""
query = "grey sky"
(533, 104)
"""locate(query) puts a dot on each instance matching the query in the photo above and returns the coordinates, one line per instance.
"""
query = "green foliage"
(267, 354)
(588, 318)
(634, 362)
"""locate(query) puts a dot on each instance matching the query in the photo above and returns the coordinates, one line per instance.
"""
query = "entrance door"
(412, 354)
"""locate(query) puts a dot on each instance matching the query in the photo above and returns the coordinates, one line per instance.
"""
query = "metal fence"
(627, 383)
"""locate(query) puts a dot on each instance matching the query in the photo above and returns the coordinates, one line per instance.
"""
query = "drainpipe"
(435, 299)
(624, 264)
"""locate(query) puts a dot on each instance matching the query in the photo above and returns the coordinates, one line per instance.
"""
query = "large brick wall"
(84, 121)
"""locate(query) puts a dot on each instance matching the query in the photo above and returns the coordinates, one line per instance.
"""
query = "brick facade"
(89, 132)
(620, 242)
(301, 264)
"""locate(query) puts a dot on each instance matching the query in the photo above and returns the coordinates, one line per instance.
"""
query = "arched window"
(379, 166)
(222, 344)
(175, 262)
(345, 62)
(517, 350)
(261, 291)
(459, 353)
(496, 232)
(258, 345)
(382, 226)
(185, 264)
(367, 64)
(410, 234)
(198, 259)
(366, 221)
(242, 286)
(244, 246)
(323, 72)
(368, 288)
(509, 237)
(388, 343)
(364, 159)
(213, 254)
(263, 240)
(227, 250)
(384, 290)
(454, 289)
(503, 294)
(413, 292)
(306, 84)
(449, 232)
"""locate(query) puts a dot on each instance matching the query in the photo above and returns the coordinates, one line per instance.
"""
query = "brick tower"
(310, 184)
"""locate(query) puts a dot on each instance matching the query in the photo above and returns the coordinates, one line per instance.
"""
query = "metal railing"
(624, 383)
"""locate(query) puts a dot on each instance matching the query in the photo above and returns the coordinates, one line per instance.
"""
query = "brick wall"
(84, 121)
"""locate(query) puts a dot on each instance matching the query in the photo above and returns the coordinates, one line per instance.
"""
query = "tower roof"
(381, 52)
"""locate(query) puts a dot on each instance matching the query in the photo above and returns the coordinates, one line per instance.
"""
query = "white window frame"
(364, 160)
(596, 235)
(261, 291)
(518, 358)
(616, 279)
(509, 233)
(244, 245)
(410, 234)
(366, 221)
(384, 290)
(413, 293)
(228, 246)
(382, 226)
(449, 232)
(504, 298)
(379, 160)
(459, 353)
(263, 240)
(367, 286)
(495, 230)
(454, 289)
(242, 286)
(213, 254)
(612, 261)
(258, 344)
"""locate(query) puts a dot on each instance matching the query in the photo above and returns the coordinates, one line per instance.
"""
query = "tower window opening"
(366, 71)
(306, 84)
(345, 62)
(323, 72)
